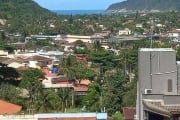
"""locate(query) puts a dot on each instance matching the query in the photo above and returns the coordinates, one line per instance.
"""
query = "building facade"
(158, 87)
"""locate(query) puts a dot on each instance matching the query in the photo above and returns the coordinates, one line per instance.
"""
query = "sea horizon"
(79, 12)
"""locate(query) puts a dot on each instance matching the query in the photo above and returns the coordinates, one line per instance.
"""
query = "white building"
(126, 31)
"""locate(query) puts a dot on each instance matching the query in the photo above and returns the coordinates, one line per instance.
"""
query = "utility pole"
(152, 29)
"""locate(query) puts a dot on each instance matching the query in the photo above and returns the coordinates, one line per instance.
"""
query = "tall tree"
(47, 101)
(116, 84)
(31, 82)
(64, 98)
(93, 100)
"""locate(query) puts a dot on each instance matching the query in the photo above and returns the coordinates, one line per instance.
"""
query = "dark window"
(169, 85)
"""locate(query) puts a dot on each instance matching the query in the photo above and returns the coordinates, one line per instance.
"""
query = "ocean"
(79, 12)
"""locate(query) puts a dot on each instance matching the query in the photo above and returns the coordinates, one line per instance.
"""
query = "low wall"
(18, 117)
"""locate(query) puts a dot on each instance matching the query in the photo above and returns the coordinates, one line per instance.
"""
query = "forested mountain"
(20, 14)
(145, 6)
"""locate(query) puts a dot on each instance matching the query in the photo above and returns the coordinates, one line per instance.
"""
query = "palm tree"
(64, 96)
(46, 101)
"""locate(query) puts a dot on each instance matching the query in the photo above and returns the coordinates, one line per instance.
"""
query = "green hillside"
(146, 5)
(22, 14)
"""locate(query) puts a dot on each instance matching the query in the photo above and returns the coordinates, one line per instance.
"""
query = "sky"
(76, 4)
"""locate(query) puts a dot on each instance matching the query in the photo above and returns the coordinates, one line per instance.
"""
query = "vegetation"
(111, 85)
(144, 5)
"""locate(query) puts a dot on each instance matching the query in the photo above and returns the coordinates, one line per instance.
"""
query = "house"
(55, 55)
(35, 60)
(73, 38)
(159, 25)
(126, 31)
(81, 87)
(129, 20)
(14, 63)
(52, 80)
(174, 35)
(129, 113)
(158, 87)
(9, 108)
(3, 53)
(139, 25)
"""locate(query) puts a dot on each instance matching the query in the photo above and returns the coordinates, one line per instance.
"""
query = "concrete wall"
(156, 66)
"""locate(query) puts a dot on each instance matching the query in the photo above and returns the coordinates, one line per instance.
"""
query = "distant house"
(14, 63)
(129, 20)
(52, 80)
(126, 31)
(174, 35)
(33, 61)
(9, 108)
(103, 33)
(3, 53)
(81, 87)
(55, 55)
(139, 25)
(159, 25)
(73, 38)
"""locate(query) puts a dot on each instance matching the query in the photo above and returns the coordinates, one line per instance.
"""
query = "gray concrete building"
(158, 87)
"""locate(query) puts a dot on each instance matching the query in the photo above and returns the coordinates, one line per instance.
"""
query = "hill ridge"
(145, 6)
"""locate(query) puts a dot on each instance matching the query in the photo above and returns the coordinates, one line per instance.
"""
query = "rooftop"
(9, 108)
(156, 49)
(161, 108)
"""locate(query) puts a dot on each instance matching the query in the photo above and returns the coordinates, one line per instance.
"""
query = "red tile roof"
(81, 88)
(128, 113)
(9, 108)
(85, 82)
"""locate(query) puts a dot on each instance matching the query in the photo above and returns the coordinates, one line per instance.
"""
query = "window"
(169, 85)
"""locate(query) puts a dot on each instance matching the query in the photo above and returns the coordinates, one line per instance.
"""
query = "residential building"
(14, 63)
(139, 26)
(126, 31)
(3, 53)
(37, 60)
(174, 35)
(81, 87)
(158, 87)
(52, 80)
(55, 55)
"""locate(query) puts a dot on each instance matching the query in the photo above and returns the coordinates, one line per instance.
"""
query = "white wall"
(18, 117)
